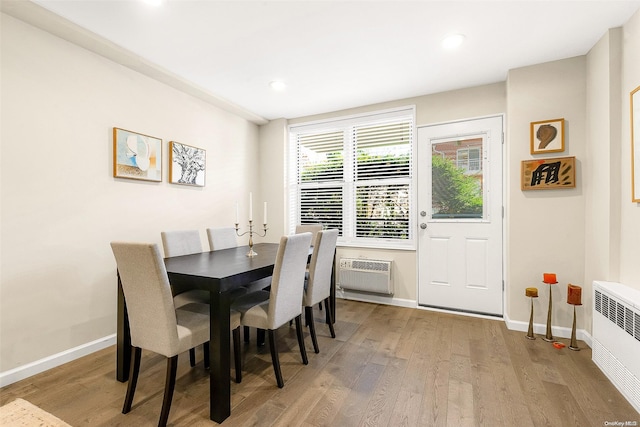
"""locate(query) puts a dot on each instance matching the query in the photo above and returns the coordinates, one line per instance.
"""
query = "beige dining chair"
(313, 229)
(309, 228)
(224, 238)
(318, 284)
(186, 242)
(268, 310)
(155, 323)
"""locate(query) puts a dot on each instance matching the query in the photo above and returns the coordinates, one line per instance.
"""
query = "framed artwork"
(635, 145)
(187, 164)
(136, 156)
(547, 136)
(546, 174)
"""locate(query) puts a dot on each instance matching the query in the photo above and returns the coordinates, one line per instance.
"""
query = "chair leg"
(274, 358)
(260, 338)
(246, 334)
(192, 357)
(237, 354)
(172, 367)
(303, 350)
(330, 317)
(205, 350)
(133, 379)
(308, 317)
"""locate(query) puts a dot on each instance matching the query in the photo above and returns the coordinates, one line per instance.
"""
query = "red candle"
(574, 294)
(549, 278)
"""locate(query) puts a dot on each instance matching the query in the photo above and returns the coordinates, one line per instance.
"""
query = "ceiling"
(335, 55)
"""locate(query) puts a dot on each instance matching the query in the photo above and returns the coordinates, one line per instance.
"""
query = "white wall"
(602, 164)
(60, 204)
(448, 106)
(545, 231)
(629, 212)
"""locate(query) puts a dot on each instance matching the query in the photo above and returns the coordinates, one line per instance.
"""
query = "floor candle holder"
(549, 279)
(532, 293)
(574, 297)
(250, 232)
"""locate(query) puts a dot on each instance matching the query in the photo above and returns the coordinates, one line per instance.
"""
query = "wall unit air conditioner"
(616, 337)
(366, 275)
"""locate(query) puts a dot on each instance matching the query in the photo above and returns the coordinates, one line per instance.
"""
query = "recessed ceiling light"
(453, 41)
(278, 85)
(153, 2)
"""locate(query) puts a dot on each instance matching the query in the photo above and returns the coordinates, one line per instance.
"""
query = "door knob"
(423, 213)
(423, 226)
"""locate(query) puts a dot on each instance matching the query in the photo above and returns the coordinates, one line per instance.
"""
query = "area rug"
(21, 413)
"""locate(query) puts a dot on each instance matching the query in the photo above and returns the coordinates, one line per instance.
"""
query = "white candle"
(265, 213)
(237, 214)
(250, 207)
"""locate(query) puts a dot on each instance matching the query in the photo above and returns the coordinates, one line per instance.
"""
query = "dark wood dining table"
(218, 272)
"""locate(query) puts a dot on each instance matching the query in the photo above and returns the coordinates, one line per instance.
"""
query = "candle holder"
(573, 345)
(550, 279)
(574, 297)
(532, 293)
(250, 232)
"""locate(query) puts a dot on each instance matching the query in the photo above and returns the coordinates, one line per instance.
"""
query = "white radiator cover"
(616, 336)
(366, 275)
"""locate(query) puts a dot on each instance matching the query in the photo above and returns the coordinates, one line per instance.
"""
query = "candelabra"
(250, 232)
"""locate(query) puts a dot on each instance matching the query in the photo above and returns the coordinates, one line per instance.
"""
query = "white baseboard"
(540, 329)
(375, 298)
(33, 368)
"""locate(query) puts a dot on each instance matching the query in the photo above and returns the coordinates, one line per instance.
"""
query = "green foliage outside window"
(454, 193)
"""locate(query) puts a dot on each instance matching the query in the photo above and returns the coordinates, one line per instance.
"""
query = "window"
(355, 174)
(468, 159)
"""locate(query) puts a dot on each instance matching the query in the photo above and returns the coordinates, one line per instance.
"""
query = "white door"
(460, 215)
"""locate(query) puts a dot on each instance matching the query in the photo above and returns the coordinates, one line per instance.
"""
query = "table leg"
(123, 338)
(219, 358)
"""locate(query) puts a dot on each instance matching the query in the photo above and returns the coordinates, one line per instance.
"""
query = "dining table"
(219, 272)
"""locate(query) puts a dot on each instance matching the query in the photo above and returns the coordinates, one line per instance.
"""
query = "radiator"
(616, 336)
(366, 275)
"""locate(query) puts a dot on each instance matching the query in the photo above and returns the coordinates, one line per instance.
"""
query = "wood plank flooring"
(388, 366)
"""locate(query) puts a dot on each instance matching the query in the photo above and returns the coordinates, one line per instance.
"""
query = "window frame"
(349, 211)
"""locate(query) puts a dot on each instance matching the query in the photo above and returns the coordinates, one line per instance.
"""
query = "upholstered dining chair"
(186, 242)
(155, 323)
(313, 229)
(309, 228)
(268, 310)
(222, 238)
(318, 284)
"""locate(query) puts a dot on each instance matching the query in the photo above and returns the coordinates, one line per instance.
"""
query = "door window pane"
(457, 179)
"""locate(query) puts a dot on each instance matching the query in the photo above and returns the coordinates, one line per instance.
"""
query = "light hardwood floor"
(388, 366)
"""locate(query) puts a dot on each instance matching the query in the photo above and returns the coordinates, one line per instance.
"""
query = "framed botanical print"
(547, 136)
(136, 156)
(187, 164)
(546, 174)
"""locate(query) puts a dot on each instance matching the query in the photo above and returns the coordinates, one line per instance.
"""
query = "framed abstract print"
(546, 174)
(136, 156)
(547, 136)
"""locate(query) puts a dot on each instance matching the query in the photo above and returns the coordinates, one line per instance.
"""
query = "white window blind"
(355, 174)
